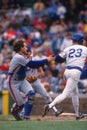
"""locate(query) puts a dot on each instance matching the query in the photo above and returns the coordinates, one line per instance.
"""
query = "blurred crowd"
(47, 27)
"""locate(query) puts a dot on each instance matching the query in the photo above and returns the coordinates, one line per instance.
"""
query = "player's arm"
(38, 63)
(60, 57)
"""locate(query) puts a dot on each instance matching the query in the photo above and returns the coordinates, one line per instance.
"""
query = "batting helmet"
(78, 37)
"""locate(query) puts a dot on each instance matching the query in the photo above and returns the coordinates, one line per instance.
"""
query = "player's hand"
(51, 58)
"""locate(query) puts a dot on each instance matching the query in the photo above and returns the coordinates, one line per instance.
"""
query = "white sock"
(54, 109)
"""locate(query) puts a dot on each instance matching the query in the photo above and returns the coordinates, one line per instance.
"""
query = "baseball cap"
(78, 37)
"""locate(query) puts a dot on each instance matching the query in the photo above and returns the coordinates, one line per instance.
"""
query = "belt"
(16, 78)
(74, 67)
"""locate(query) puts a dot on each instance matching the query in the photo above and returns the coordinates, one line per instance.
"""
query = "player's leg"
(70, 86)
(30, 93)
(75, 102)
(72, 80)
(16, 110)
(39, 88)
(19, 102)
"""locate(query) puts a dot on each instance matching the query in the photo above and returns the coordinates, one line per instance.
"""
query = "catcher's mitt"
(31, 79)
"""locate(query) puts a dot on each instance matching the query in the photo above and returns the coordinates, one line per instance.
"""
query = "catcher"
(33, 78)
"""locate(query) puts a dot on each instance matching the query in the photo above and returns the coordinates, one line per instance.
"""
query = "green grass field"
(8, 123)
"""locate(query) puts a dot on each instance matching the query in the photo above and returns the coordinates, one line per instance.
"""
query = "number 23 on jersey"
(75, 53)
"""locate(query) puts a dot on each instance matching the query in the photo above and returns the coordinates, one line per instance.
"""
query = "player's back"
(76, 55)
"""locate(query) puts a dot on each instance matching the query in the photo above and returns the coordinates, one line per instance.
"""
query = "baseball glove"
(31, 79)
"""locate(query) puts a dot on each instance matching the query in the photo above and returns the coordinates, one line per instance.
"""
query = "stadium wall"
(66, 105)
(6, 103)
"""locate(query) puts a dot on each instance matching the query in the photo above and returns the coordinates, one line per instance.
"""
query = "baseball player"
(32, 76)
(17, 73)
(75, 58)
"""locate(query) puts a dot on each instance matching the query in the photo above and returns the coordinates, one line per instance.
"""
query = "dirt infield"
(62, 117)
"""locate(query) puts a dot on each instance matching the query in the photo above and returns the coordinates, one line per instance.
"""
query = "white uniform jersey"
(75, 55)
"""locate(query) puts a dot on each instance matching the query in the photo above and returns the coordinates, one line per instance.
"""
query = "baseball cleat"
(46, 109)
(23, 116)
(58, 112)
(16, 115)
(26, 118)
(80, 116)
